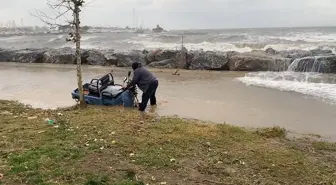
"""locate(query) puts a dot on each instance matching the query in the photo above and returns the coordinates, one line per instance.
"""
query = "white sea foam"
(57, 38)
(308, 37)
(207, 46)
(304, 83)
(85, 38)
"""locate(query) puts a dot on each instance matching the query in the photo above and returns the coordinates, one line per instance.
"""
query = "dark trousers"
(149, 95)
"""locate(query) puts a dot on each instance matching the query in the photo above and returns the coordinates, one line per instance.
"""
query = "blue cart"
(98, 92)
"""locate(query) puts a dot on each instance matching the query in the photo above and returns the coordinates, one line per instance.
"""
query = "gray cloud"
(174, 14)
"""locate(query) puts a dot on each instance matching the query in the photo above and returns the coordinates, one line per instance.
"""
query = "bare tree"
(61, 9)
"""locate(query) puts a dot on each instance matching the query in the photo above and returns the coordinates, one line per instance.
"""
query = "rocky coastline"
(317, 60)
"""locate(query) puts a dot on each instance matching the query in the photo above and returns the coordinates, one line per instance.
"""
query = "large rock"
(295, 54)
(168, 63)
(320, 64)
(60, 56)
(321, 52)
(28, 56)
(93, 57)
(165, 54)
(151, 56)
(209, 61)
(6, 55)
(125, 59)
(257, 62)
(271, 51)
(110, 56)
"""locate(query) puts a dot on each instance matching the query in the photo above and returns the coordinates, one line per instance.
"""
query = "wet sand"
(211, 96)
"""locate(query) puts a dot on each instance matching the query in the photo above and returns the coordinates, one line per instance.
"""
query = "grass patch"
(322, 145)
(108, 146)
(274, 132)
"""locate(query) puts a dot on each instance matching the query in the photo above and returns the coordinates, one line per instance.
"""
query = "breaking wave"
(316, 85)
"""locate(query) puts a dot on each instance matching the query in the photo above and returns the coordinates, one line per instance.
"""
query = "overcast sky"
(187, 14)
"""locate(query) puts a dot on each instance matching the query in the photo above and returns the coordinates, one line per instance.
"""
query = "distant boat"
(139, 31)
(158, 29)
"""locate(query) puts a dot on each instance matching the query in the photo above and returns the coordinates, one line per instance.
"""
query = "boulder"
(209, 61)
(165, 54)
(6, 55)
(28, 56)
(257, 62)
(60, 56)
(93, 57)
(110, 56)
(295, 54)
(151, 56)
(125, 59)
(321, 52)
(320, 64)
(168, 63)
(271, 51)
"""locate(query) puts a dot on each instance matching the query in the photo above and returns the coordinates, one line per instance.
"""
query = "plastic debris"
(131, 154)
(114, 142)
(163, 183)
(172, 160)
(50, 122)
(153, 178)
(1, 175)
(59, 114)
(32, 118)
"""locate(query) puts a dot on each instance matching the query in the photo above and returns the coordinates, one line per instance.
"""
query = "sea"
(241, 40)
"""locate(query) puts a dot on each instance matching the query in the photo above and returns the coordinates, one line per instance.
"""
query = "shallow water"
(215, 96)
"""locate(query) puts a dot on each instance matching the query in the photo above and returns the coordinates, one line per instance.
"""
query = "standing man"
(146, 82)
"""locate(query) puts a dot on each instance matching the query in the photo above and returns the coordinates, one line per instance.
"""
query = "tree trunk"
(78, 56)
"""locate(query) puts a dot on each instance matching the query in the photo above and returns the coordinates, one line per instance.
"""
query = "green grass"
(108, 146)
(274, 132)
(322, 145)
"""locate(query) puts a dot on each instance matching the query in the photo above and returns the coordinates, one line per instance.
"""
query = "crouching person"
(146, 82)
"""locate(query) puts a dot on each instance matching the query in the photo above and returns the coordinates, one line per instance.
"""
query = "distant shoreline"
(171, 30)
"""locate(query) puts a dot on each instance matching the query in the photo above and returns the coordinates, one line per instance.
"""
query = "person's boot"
(152, 109)
(142, 116)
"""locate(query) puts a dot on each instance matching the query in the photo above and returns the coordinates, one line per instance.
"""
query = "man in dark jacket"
(146, 82)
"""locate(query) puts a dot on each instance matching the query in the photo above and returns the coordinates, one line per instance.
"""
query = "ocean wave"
(312, 84)
(208, 46)
(86, 38)
(307, 37)
(57, 38)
